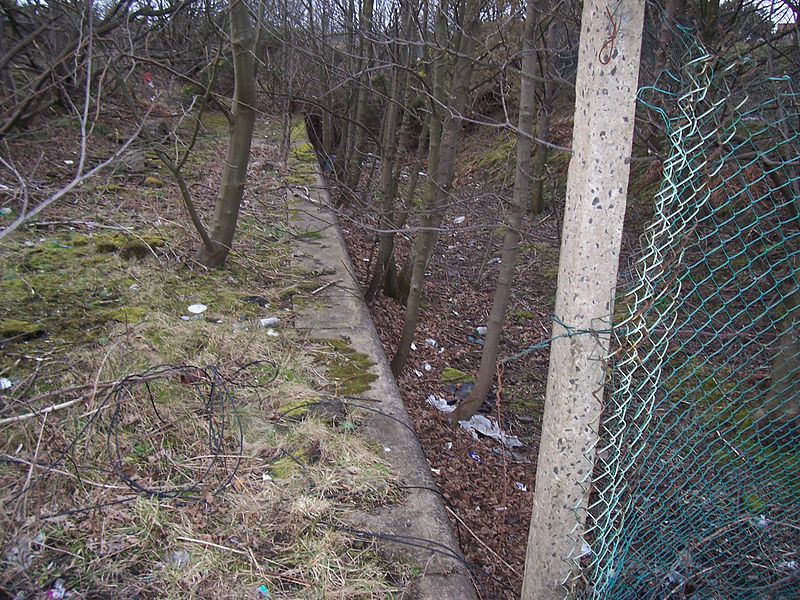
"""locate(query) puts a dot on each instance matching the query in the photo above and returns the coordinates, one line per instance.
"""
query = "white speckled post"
(608, 68)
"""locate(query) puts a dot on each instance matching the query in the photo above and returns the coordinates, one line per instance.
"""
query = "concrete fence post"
(597, 181)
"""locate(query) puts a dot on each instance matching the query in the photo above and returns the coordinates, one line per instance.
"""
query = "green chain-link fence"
(696, 493)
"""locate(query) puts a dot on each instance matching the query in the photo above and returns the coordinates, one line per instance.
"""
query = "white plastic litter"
(439, 404)
(431, 342)
(521, 486)
(459, 220)
(489, 427)
(5, 383)
(197, 309)
(413, 346)
(762, 522)
(427, 366)
(417, 372)
(268, 322)
(586, 549)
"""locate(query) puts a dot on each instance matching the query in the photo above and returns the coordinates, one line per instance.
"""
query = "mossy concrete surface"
(339, 319)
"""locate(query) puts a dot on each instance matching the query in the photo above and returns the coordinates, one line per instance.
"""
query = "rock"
(130, 161)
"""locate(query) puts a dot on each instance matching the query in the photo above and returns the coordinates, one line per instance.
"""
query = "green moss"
(125, 314)
(295, 407)
(298, 131)
(304, 153)
(68, 284)
(283, 467)
(520, 314)
(499, 162)
(309, 234)
(450, 375)
(128, 246)
(108, 242)
(79, 239)
(10, 327)
(347, 369)
(216, 123)
(754, 503)
(141, 246)
(300, 178)
(527, 399)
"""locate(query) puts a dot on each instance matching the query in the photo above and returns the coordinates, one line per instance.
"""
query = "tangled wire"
(216, 406)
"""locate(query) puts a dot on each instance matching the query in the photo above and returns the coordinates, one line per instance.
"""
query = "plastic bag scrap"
(489, 427)
(440, 404)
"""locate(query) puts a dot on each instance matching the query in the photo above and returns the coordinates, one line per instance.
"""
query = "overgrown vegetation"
(152, 451)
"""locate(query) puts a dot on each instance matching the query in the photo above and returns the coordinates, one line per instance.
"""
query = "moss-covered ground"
(146, 451)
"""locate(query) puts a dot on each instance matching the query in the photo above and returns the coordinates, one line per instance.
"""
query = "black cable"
(217, 403)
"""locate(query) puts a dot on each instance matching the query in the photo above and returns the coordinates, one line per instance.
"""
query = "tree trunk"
(358, 126)
(8, 88)
(595, 209)
(226, 211)
(527, 98)
(543, 126)
(391, 145)
(401, 281)
(671, 8)
(708, 17)
(778, 420)
(443, 180)
(434, 129)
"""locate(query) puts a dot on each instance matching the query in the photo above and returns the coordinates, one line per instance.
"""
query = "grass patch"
(148, 455)
(451, 375)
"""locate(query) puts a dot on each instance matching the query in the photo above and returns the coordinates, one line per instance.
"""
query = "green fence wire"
(696, 491)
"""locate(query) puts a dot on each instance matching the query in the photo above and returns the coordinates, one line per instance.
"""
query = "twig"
(322, 287)
(75, 388)
(501, 537)
(22, 461)
(87, 224)
(212, 545)
(481, 542)
(44, 411)
(33, 462)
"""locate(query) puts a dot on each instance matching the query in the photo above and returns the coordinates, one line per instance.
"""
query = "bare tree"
(527, 99)
(441, 183)
(391, 145)
(226, 213)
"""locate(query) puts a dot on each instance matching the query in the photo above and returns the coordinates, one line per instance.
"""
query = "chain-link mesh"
(696, 493)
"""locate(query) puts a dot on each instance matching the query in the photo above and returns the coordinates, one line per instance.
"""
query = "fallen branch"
(481, 542)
